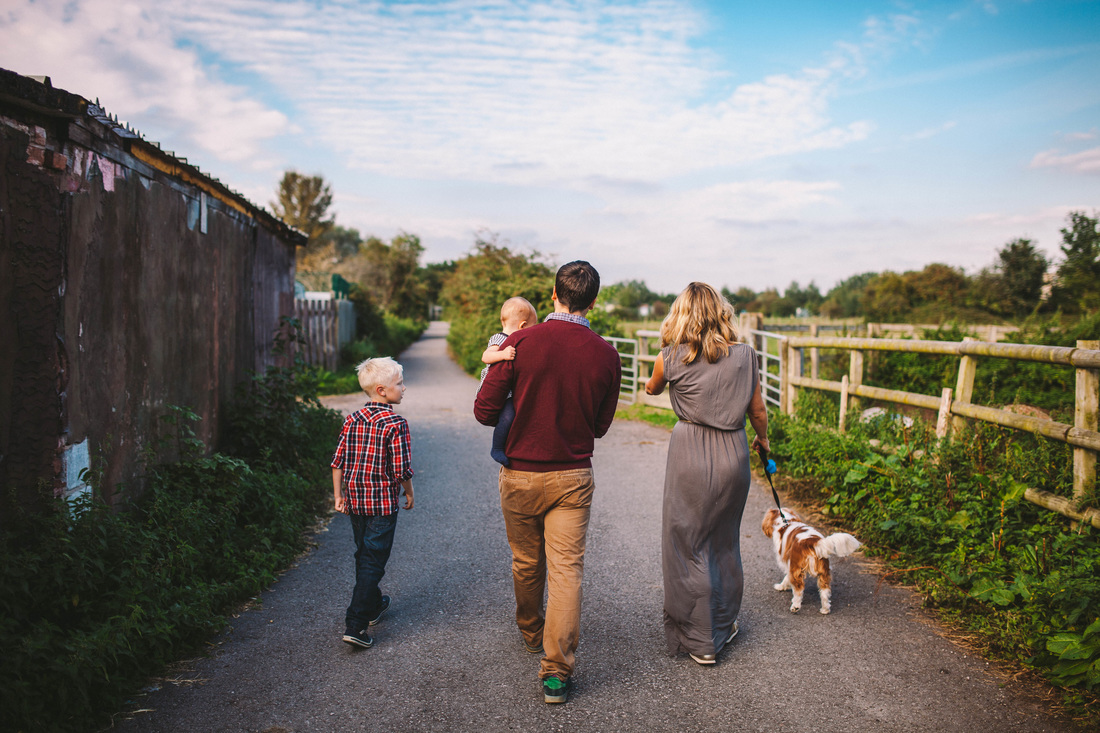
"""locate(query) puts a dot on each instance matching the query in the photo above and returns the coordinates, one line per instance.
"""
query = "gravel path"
(448, 657)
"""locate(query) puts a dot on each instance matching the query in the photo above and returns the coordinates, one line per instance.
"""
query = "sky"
(738, 143)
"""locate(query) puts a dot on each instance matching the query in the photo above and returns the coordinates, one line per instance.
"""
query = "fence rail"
(781, 376)
(628, 355)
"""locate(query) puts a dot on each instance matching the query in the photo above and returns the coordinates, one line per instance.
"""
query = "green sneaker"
(555, 689)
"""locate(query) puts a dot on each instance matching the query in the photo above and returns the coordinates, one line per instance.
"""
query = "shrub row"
(93, 600)
(951, 517)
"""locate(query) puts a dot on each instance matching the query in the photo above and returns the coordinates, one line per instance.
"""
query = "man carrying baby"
(565, 383)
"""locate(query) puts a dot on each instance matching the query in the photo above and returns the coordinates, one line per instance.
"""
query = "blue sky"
(666, 140)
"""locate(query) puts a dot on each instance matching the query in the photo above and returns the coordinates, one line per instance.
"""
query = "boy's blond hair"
(518, 307)
(380, 370)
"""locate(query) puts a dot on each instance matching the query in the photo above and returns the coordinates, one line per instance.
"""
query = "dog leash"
(769, 469)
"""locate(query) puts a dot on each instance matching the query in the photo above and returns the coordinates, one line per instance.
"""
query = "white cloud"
(1085, 161)
(929, 132)
(125, 55)
(1079, 136)
(545, 91)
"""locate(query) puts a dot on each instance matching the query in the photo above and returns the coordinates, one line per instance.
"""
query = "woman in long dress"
(714, 385)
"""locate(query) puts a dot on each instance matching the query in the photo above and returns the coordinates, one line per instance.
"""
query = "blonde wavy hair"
(702, 320)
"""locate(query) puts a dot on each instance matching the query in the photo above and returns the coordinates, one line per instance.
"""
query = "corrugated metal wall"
(115, 305)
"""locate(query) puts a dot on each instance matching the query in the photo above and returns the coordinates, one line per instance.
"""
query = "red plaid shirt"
(375, 454)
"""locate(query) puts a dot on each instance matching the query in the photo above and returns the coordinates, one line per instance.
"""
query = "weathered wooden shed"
(130, 282)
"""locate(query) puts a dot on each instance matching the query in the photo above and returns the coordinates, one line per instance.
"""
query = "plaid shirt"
(375, 453)
(570, 317)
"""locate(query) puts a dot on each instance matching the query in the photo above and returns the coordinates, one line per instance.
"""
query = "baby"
(516, 313)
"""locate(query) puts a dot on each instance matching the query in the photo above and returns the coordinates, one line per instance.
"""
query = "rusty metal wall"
(116, 305)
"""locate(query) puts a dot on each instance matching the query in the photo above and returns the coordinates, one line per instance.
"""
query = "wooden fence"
(326, 326)
(782, 375)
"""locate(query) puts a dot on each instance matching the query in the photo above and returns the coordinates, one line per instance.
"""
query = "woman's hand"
(759, 444)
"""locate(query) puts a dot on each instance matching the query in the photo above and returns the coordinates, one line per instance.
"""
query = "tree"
(391, 274)
(345, 242)
(844, 299)
(887, 297)
(1014, 285)
(303, 203)
(740, 299)
(938, 284)
(1077, 285)
(809, 298)
(480, 284)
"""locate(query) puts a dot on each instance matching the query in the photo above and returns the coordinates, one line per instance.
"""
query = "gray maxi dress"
(706, 485)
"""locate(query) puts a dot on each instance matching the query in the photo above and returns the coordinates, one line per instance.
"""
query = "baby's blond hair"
(518, 307)
(380, 370)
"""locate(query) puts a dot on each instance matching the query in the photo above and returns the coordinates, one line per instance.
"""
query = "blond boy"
(372, 466)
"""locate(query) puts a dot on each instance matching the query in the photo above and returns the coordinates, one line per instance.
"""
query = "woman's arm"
(657, 382)
(758, 417)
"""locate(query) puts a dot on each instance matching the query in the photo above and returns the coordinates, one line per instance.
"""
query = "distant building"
(130, 282)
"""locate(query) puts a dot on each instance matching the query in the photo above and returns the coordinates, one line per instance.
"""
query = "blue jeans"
(500, 432)
(373, 537)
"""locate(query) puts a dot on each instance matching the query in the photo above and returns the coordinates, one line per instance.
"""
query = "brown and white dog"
(801, 549)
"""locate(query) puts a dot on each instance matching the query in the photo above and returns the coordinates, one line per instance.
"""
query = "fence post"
(964, 388)
(783, 369)
(943, 420)
(794, 367)
(644, 367)
(843, 402)
(813, 353)
(855, 374)
(1085, 417)
(743, 327)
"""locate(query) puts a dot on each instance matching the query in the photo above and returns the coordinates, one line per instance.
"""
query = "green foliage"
(1013, 286)
(951, 515)
(93, 600)
(481, 282)
(845, 298)
(1077, 286)
(396, 335)
(276, 416)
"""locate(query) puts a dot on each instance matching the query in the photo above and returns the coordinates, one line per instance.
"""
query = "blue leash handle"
(769, 469)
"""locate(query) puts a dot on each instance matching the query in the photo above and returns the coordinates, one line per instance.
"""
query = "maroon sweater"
(565, 383)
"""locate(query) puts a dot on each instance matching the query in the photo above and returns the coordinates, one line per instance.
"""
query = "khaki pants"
(546, 516)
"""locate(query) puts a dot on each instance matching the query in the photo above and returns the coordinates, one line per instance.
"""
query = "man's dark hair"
(577, 285)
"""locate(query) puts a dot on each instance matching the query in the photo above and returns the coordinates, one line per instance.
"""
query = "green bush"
(396, 335)
(93, 599)
(481, 282)
(951, 516)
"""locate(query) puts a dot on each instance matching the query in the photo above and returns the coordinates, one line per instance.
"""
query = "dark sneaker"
(381, 611)
(532, 649)
(358, 638)
(555, 689)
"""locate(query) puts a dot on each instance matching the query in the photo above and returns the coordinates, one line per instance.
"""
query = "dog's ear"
(768, 524)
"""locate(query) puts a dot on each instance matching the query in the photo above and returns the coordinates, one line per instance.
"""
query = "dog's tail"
(840, 544)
